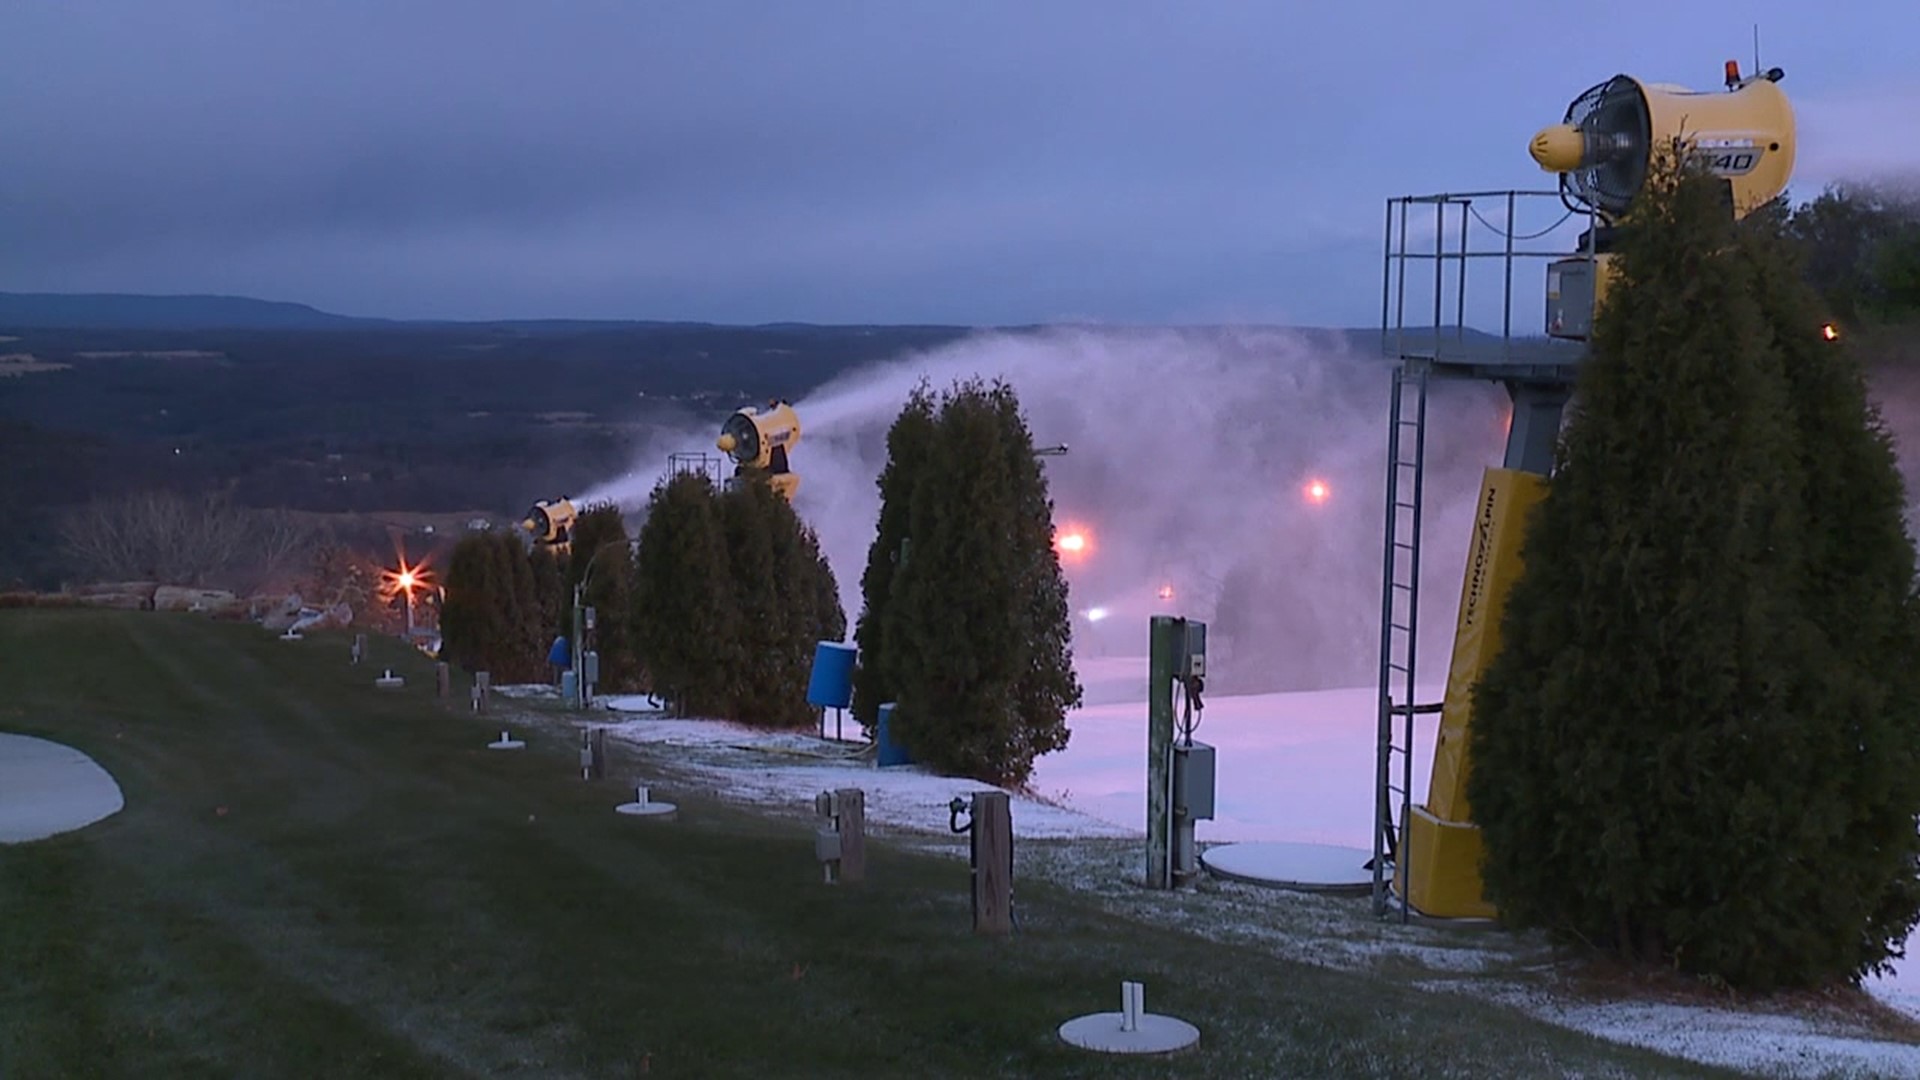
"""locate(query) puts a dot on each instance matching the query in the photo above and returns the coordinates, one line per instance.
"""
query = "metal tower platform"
(1538, 372)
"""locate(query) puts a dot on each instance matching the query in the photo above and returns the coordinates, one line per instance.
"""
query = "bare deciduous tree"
(185, 540)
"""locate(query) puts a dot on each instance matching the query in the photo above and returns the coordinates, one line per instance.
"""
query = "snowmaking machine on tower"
(1604, 146)
(549, 523)
(759, 441)
(1603, 152)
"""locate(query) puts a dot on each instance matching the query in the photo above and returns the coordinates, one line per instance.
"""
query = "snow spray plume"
(1231, 475)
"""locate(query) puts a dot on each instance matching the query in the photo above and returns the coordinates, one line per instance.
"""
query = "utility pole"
(580, 628)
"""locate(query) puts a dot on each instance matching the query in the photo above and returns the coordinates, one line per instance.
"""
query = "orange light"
(1317, 491)
(1830, 332)
(1733, 72)
(1073, 542)
(1166, 592)
(404, 580)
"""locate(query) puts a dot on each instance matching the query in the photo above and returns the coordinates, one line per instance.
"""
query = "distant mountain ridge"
(147, 311)
(196, 312)
(134, 311)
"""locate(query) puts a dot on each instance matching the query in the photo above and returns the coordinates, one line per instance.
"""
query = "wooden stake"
(593, 754)
(853, 834)
(442, 679)
(992, 863)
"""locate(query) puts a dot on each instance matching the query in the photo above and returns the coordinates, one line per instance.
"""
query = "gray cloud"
(878, 161)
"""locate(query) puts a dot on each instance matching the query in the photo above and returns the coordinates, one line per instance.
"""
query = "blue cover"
(888, 751)
(831, 684)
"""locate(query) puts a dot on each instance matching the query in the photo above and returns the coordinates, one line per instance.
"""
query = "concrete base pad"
(47, 789)
(646, 809)
(1304, 867)
(506, 744)
(1155, 1034)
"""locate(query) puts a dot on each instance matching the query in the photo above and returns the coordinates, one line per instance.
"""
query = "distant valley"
(283, 405)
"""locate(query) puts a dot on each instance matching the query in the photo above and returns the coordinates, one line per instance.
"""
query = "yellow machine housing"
(759, 442)
(1440, 841)
(1605, 145)
(550, 523)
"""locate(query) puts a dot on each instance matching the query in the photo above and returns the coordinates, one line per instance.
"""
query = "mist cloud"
(1189, 453)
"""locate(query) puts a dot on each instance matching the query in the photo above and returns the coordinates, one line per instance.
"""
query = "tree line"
(714, 605)
(1859, 248)
(717, 602)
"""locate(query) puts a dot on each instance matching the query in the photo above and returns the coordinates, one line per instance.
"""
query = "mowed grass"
(315, 878)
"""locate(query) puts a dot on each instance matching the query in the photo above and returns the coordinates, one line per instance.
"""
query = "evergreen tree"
(830, 618)
(1859, 246)
(755, 684)
(529, 613)
(1045, 686)
(599, 555)
(976, 629)
(1636, 742)
(1861, 748)
(467, 612)
(809, 605)
(683, 598)
(907, 444)
(547, 584)
(512, 611)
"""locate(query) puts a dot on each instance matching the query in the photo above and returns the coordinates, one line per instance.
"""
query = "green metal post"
(579, 644)
(1167, 637)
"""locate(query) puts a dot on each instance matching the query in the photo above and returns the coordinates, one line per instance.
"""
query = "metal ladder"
(1399, 620)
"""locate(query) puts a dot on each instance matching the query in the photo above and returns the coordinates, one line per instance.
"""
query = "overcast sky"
(971, 161)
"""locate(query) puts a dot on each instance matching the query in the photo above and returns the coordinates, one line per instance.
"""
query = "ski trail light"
(1074, 542)
(1317, 491)
(1096, 614)
(1166, 592)
(1830, 332)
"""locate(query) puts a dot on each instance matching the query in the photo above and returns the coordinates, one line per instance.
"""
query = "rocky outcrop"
(180, 598)
(278, 613)
(123, 595)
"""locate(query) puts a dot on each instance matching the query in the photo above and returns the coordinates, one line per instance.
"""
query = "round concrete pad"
(1156, 1034)
(47, 789)
(646, 809)
(1306, 867)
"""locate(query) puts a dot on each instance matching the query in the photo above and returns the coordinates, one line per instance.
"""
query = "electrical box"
(591, 662)
(587, 615)
(826, 844)
(1192, 661)
(1570, 294)
(1193, 779)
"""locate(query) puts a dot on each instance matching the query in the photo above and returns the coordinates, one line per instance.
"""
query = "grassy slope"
(313, 877)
